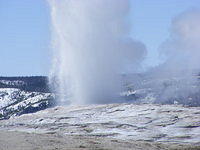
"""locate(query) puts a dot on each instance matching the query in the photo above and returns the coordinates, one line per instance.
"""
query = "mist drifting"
(182, 48)
(179, 72)
(92, 47)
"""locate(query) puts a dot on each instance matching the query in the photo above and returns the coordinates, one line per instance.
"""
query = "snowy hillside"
(20, 100)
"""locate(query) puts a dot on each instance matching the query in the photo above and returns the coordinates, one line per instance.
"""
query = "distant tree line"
(32, 83)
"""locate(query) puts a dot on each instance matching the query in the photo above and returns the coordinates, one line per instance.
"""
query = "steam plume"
(182, 54)
(183, 47)
(91, 48)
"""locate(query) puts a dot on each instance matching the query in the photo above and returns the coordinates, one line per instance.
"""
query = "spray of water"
(92, 47)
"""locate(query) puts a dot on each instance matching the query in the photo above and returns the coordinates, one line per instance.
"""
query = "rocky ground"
(113, 126)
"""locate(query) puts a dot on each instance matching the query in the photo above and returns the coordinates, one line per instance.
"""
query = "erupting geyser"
(92, 46)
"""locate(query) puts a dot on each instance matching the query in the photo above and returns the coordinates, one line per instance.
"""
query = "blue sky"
(25, 35)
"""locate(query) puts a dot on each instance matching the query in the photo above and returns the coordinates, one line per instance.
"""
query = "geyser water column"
(91, 46)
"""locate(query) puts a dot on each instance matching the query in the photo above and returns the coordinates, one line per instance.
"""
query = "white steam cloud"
(92, 47)
(182, 65)
(183, 47)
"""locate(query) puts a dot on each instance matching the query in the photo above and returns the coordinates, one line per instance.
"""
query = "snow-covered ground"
(14, 101)
(146, 122)
(11, 96)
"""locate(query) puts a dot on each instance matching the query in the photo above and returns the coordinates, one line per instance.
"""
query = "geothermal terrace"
(119, 126)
